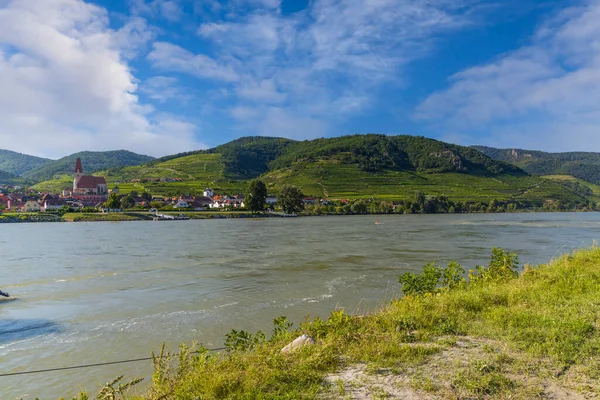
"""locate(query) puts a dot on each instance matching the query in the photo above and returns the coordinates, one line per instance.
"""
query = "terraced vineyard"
(335, 180)
(382, 167)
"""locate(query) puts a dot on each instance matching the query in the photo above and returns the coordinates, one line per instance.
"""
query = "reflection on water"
(93, 292)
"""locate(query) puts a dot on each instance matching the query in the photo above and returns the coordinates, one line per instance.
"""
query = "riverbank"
(124, 216)
(146, 216)
(500, 335)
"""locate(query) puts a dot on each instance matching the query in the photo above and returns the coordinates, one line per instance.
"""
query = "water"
(94, 292)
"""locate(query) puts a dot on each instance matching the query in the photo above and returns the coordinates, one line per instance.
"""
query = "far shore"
(131, 216)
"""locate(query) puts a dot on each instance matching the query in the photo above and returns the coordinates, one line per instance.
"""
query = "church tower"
(78, 173)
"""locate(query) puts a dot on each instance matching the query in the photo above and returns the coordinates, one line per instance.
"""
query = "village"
(91, 193)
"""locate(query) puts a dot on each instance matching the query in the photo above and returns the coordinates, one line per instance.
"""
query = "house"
(14, 205)
(271, 200)
(114, 190)
(187, 199)
(182, 204)
(308, 200)
(204, 201)
(228, 202)
(31, 206)
(52, 204)
(139, 201)
(208, 192)
(87, 184)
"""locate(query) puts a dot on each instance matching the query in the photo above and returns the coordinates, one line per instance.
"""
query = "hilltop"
(581, 165)
(93, 161)
(18, 163)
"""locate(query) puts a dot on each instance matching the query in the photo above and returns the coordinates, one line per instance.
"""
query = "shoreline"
(135, 216)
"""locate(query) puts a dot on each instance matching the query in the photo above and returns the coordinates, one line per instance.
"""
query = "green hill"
(6, 178)
(93, 161)
(357, 166)
(581, 165)
(19, 164)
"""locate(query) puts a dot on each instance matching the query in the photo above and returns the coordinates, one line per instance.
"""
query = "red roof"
(90, 182)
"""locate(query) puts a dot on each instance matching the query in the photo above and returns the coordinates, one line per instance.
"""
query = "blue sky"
(164, 76)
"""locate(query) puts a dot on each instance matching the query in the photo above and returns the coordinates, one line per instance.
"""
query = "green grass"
(532, 336)
(562, 178)
(197, 171)
(336, 180)
(56, 185)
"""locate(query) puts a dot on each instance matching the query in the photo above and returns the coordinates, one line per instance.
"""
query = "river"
(105, 291)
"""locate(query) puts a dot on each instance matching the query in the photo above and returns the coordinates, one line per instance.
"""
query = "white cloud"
(326, 62)
(543, 95)
(66, 87)
(170, 57)
(164, 89)
(265, 91)
(133, 37)
(170, 10)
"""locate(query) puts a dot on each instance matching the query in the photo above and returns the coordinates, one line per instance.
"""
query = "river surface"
(105, 291)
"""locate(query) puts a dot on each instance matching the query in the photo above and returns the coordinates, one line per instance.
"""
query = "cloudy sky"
(164, 76)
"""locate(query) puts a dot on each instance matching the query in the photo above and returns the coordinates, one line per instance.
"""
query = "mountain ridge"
(93, 161)
(581, 165)
(17, 163)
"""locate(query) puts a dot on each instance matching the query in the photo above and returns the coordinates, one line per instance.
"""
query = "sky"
(159, 77)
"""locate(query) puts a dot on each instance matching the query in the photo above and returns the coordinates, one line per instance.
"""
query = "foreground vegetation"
(497, 334)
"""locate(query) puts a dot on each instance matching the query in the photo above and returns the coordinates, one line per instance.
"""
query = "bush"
(503, 266)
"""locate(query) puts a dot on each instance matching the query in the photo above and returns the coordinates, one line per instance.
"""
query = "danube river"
(95, 292)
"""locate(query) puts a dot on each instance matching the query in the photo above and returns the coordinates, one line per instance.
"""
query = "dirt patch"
(355, 383)
(466, 368)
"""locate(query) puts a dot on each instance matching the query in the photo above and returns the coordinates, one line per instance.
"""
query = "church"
(87, 185)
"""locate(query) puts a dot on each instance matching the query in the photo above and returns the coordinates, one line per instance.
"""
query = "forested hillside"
(6, 178)
(19, 164)
(92, 161)
(582, 165)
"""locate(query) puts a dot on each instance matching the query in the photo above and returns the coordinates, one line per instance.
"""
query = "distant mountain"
(18, 164)
(92, 161)
(582, 165)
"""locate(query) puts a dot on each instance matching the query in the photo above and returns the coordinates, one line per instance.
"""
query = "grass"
(568, 178)
(532, 336)
(334, 180)
(197, 172)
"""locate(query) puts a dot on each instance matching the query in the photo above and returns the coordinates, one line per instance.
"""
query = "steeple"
(78, 166)
(78, 173)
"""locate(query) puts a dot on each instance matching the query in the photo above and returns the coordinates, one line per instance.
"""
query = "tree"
(256, 194)
(291, 200)
(113, 201)
(147, 196)
(127, 202)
